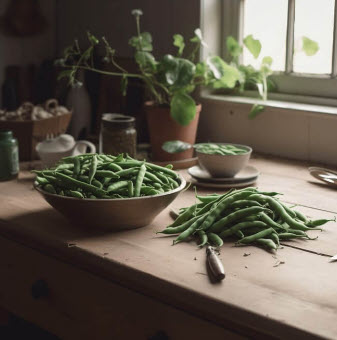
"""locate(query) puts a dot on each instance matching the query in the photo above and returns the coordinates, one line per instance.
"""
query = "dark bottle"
(9, 156)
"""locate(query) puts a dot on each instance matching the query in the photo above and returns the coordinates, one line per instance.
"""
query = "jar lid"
(6, 134)
(116, 120)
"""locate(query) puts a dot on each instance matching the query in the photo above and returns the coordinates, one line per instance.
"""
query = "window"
(284, 27)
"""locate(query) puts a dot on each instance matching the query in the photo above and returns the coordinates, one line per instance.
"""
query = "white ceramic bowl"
(224, 165)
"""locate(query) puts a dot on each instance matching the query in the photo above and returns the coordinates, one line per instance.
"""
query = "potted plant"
(171, 82)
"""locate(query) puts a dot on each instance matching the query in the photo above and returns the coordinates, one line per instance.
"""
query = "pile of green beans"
(219, 149)
(248, 215)
(91, 176)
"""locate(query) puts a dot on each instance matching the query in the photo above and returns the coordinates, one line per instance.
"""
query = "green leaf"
(233, 47)
(142, 43)
(145, 60)
(225, 75)
(168, 68)
(265, 66)
(92, 39)
(183, 108)
(309, 47)
(124, 85)
(176, 146)
(255, 110)
(198, 37)
(177, 72)
(64, 74)
(253, 45)
(267, 61)
(186, 72)
(178, 41)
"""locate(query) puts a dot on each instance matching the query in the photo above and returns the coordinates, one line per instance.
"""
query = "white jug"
(51, 151)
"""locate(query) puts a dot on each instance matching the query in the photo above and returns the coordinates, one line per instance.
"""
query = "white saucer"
(248, 173)
(223, 185)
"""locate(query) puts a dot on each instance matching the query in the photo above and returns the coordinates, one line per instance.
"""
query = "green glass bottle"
(9, 156)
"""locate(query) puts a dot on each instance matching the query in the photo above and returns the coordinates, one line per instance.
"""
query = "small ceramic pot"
(51, 151)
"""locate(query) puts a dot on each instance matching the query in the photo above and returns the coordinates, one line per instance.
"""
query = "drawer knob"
(39, 289)
(160, 335)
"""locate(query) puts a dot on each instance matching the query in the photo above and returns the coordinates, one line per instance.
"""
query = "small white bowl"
(224, 165)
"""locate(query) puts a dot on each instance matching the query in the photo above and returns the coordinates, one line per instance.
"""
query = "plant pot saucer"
(181, 164)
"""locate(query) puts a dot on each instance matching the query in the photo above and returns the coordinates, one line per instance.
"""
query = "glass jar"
(9, 156)
(118, 135)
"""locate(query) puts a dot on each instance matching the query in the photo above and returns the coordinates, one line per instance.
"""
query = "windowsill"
(287, 129)
(280, 104)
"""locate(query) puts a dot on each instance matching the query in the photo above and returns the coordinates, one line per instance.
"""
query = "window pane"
(266, 20)
(314, 19)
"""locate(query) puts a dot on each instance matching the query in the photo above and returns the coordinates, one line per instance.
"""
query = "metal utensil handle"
(215, 264)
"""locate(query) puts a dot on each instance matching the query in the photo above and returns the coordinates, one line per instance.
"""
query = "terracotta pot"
(163, 128)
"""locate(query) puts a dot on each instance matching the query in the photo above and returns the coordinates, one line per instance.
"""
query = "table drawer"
(75, 304)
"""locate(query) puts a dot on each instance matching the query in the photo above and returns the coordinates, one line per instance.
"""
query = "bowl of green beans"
(104, 192)
(222, 159)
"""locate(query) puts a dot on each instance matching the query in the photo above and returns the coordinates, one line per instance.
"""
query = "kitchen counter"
(136, 285)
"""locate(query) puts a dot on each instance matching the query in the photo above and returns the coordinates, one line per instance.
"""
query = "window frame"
(291, 86)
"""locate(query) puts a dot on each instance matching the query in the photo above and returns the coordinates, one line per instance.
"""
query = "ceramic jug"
(52, 150)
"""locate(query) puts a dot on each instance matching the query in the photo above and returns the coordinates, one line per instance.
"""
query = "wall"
(28, 50)
(113, 19)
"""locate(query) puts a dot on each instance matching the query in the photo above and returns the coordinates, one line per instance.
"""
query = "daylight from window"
(314, 20)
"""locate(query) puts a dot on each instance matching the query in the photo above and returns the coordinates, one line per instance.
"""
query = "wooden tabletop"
(294, 299)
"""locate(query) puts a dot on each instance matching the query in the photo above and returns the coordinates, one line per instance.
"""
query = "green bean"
(153, 177)
(71, 182)
(221, 206)
(269, 193)
(114, 167)
(127, 172)
(301, 233)
(93, 168)
(41, 180)
(173, 182)
(106, 173)
(300, 216)
(215, 239)
(268, 243)
(235, 216)
(148, 191)
(49, 188)
(241, 225)
(289, 236)
(255, 237)
(266, 219)
(245, 204)
(77, 167)
(162, 177)
(179, 228)
(276, 206)
(97, 183)
(203, 238)
(61, 167)
(239, 234)
(275, 238)
(139, 180)
(130, 188)
(76, 194)
(188, 232)
(117, 185)
(317, 223)
(208, 198)
(189, 212)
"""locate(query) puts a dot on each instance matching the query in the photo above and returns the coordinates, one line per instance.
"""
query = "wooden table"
(135, 285)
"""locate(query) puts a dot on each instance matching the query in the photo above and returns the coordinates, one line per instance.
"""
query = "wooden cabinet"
(74, 304)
